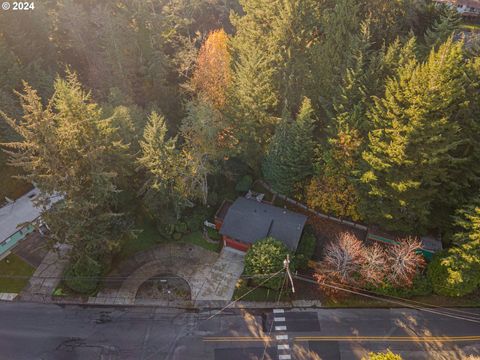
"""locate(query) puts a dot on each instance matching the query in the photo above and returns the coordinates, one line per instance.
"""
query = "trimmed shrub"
(421, 286)
(196, 217)
(213, 234)
(306, 248)
(83, 276)
(266, 257)
(181, 228)
(244, 184)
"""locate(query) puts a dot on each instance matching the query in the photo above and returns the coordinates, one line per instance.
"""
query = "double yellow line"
(237, 338)
(347, 338)
(389, 338)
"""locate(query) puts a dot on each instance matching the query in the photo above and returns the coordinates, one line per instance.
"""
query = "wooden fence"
(319, 214)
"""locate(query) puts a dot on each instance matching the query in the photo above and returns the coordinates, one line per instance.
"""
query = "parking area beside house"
(220, 280)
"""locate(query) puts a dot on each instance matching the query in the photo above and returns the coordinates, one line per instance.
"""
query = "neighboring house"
(468, 8)
(247, 221)
(18, 219)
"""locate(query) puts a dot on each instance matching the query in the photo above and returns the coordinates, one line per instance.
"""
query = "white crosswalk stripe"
(284, 348)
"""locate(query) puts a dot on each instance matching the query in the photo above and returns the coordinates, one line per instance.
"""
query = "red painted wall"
(218, 224)
(235, 244)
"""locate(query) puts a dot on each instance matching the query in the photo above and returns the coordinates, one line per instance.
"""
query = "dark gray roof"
(250, 221)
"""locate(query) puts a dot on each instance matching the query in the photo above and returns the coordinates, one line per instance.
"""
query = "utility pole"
(286, 264)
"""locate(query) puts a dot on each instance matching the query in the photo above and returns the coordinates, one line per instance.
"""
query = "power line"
(475, 315)
(112, 278)
(388, 300)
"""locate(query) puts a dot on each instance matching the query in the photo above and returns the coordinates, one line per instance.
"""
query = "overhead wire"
(472, 314)
(388, 300)
(243, 295)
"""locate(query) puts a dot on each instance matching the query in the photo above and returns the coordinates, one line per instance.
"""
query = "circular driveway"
(187, 261)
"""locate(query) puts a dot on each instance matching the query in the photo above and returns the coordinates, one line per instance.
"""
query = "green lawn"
(196, 238)
(259, 294)
(12, 265)
(147, 238)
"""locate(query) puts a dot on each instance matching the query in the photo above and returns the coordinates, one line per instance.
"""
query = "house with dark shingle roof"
(246, 221)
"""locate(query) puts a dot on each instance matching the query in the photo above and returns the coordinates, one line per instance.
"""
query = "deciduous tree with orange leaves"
(212, 75)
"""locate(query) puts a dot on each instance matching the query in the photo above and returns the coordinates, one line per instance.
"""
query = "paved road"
(51, 332)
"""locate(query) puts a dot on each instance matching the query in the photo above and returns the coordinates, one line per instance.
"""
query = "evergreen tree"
(252, 102)
(271, 62)
(455, 272)
(393, 57)
(290, 154)
(334, 188)
(69, 150)
(442, 28)
(206, 143)
(421, 143)
(163, 189)
(340, 25)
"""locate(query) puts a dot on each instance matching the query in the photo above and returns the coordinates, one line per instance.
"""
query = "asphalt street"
(52, 332)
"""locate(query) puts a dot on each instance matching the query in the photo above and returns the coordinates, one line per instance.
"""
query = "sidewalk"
(47, 276)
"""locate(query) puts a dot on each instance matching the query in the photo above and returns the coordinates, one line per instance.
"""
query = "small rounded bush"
(83, 276)
(266, 257)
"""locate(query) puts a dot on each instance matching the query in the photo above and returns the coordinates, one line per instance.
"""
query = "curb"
(8, 296)
(187, 305)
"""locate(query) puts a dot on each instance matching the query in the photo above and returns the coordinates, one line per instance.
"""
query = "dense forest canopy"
(363, 109)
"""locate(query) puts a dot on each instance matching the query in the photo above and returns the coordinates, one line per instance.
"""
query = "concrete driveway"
(211, 276)
(220, 280)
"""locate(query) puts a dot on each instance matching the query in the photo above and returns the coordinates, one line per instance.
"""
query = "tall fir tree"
(340, 25)
(163, 191)
(68, 149)
(271, 53)
(444, 27)
(334, 188)
(289, 159)
(420, 154)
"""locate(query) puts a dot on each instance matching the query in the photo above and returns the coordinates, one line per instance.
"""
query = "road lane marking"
(284, 357)
(283, 347)
(279, 319)
(280, 328)
(344, 338)
(389, 339)
(278, 311)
